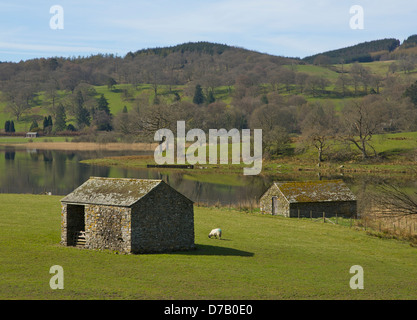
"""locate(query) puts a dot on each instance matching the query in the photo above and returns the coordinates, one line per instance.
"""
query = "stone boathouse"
(309, 199)
(127, 215)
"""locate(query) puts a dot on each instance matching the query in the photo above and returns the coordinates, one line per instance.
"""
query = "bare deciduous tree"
(18, 99)
(361, 121)
(319, 128)
(395, 201)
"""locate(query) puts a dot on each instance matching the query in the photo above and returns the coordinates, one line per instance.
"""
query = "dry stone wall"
(162, 221)
(107, 227)
(266, 202)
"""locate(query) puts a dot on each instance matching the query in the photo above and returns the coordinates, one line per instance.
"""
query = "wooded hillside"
(363, 52)
(216, 86)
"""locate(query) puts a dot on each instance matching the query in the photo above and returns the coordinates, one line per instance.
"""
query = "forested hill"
(200, 47)
(211, 64)
(363, 52)
(178, 65)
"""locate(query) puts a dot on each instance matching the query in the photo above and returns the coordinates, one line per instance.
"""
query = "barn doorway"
(274, 206)
(75, 223)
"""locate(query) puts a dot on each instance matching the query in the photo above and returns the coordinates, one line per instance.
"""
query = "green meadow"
(260, 257)
(21, 140)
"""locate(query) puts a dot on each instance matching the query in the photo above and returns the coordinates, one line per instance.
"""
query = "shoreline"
(84, 146)
(282, 166)
(274, 167)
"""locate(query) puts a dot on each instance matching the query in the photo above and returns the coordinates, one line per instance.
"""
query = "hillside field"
(261, 257)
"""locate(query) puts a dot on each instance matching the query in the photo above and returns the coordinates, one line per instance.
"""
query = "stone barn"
(309, 199)
(127, 215)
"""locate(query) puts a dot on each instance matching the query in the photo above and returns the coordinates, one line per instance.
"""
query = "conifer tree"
(82, 116)
(7, 126)
(45, 123)
(210, 97)
(198, 95)
(103, 104)
(61, 117)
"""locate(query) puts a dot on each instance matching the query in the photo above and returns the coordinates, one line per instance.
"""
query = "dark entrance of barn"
(75, 224)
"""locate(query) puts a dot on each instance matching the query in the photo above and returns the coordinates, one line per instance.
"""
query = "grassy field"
(318, 71)
(261, 257)
(21, 140)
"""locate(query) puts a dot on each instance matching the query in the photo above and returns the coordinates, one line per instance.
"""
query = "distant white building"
(32, 135)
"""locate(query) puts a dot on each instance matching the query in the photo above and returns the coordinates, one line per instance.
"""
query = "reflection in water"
(59, 172)
(9, 155)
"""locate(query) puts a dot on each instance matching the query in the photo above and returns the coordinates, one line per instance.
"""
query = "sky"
(297, 28)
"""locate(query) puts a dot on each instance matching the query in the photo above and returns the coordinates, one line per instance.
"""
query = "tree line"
(363, 52)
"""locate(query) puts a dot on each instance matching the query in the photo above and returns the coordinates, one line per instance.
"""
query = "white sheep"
(217, 233)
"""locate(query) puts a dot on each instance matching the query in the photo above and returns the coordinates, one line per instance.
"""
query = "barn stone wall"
(162, 221)
(107, 227)
(64, 225)
(330, 208)
(265, 202)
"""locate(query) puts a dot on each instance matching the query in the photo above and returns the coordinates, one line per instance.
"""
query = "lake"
(38, 171)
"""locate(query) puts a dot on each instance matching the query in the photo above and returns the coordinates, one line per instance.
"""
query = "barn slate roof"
(315, 191)
(111, 191)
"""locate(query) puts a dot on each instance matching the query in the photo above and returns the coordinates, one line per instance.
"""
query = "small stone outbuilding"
(309, 199)
(127, 215)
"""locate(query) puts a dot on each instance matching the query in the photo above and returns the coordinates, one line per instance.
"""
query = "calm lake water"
(59, 172)
(37, 171)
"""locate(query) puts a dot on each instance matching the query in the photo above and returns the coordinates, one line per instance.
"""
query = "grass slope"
(261, 257)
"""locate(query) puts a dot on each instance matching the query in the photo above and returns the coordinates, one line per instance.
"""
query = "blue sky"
(296, 28)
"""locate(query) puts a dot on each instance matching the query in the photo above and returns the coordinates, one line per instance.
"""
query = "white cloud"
(49, 48)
